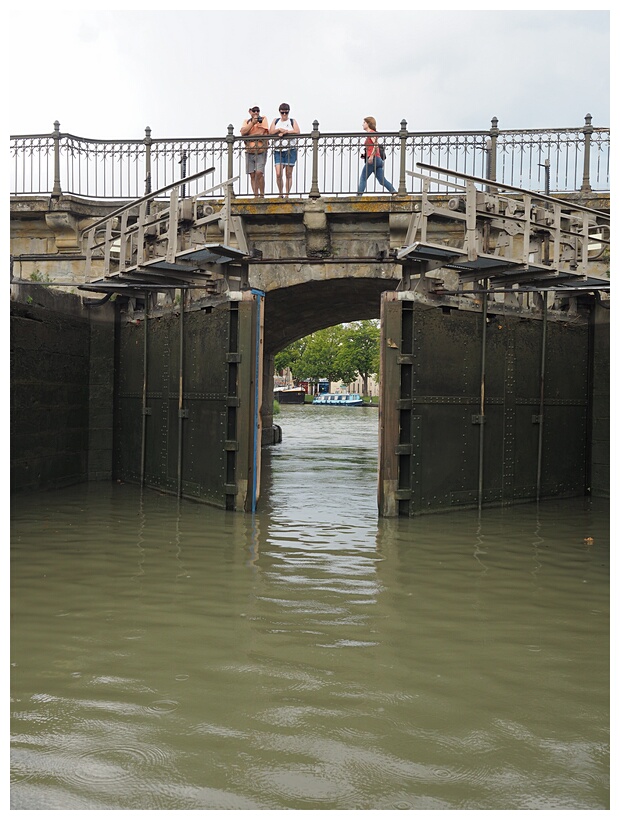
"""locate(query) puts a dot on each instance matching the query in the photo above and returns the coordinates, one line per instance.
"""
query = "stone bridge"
(247, 276)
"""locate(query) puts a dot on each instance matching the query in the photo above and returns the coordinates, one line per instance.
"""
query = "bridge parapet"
(572, 159)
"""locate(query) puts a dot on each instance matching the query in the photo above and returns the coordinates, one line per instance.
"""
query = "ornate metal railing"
(546, 160)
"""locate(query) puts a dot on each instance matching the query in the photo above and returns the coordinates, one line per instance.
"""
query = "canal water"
(166, 655)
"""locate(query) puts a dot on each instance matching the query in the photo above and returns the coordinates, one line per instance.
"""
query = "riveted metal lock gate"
(186, 407)
(478, 411)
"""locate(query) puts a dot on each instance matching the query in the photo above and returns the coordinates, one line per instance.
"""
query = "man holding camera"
(256, 148)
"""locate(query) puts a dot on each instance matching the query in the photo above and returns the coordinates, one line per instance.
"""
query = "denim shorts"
(288, 157)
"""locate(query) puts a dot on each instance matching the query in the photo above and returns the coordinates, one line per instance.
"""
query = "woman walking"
(373, 163)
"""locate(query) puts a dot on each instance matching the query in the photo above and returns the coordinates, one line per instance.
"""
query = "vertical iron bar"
(590, 400)
(541, 405)
(547, 189)
(483, 366)
(256, 444)
(144, 388)
(180, 409)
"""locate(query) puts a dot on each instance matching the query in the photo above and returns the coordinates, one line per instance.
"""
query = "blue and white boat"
(339, 399)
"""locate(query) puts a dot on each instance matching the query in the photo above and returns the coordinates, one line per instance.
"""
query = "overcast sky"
(109, 74)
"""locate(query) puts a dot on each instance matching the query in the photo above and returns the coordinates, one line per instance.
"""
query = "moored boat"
(289, 395)
(339, 399)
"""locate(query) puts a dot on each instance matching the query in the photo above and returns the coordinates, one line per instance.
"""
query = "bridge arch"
(296, 311)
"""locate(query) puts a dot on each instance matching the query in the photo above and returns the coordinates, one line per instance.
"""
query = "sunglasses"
(255, 110)
(284, 110)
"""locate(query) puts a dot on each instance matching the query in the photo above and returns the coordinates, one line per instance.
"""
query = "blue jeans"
(375, 167)
(285, 156)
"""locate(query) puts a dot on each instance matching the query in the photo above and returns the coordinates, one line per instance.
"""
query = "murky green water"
(166, 655)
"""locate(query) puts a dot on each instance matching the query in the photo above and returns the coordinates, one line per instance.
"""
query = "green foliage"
(362, 345)
(276, 407)
(37, 276)
(336, 353)
(290, 356)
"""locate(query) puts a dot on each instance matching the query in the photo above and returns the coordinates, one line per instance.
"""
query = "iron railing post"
(492, 150)
(56, 190)
(587, 133)
(230, 144)
(402, 181)
(147, 160)
(314, 187)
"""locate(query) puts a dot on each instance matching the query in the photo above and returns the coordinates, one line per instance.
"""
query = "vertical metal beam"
(470, 221)
(227, 217)
(180, 409)
(483, 360)
(123, 257)
(173, 226)
(257, 384)
(391, 310)
(142, 214)
(527, 228)
(232, 403)
(90, 241)
(144, 389)
(557, 234)
(592, 332)
(107, 247)
(541, 403)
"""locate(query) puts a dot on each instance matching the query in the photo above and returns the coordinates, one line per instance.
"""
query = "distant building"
(285, 379)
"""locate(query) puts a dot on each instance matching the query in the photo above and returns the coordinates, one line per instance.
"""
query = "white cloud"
(108, 74)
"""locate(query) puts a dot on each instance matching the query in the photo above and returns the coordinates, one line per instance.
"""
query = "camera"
(260, 119)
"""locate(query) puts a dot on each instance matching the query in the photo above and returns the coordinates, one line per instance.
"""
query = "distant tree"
(323, 356)
(290, 357)
(336, 353)
(362, 342)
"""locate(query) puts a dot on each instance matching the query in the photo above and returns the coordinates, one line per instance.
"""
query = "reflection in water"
(166, 655)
